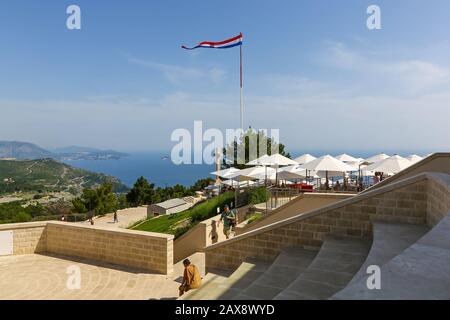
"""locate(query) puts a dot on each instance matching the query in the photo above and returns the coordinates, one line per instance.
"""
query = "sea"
(158, 168)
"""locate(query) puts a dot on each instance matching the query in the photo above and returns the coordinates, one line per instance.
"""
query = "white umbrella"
(304, 158)
(279, 160)
(392, 164)
(414, 158)
(270, 175)
(275, 160)
(292, 172)
(246, 174)
(261, 161)
(377, 158)
(354, 164)
(327, 163)
(225, 172)
(240, 184)
(346, 158)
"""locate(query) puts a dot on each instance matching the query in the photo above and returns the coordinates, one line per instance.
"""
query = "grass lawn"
(181, 222)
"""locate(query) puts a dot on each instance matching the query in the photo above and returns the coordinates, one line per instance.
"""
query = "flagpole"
(241, 85)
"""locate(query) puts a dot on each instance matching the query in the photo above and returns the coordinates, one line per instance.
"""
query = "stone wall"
(303, 203)
(438, 198)
(404, 202)
(27, 237)
(203, 234)
(138, 249)
(147, 251)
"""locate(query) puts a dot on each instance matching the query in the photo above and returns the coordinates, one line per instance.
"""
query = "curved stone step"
(227, 288)
(284, 270)
(389, 240)
(211, 280)
(332, 269)
(422, 271)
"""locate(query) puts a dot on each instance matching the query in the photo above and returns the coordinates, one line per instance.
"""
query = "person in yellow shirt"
(191, 277)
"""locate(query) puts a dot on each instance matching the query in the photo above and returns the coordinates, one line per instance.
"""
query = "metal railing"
(278, 197)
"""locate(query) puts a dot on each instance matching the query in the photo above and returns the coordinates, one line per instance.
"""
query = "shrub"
(254, 217)
(208, 209)
(257, 195)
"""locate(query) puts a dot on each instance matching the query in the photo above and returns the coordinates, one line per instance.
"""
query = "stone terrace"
(40, 277)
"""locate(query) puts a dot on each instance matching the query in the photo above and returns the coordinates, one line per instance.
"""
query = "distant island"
(28, 151)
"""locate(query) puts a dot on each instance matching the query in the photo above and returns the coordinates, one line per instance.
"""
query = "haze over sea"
(162, 172)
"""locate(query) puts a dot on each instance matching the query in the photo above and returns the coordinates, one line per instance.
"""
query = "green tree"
(201, 184)
(99, 201)
(78, 206)
(256, 137)
(141, 193)
(122, 201)
(106, 199)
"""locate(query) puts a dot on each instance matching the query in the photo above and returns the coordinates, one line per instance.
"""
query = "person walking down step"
(229, 221)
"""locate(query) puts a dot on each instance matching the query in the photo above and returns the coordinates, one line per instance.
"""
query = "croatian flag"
(232, 42)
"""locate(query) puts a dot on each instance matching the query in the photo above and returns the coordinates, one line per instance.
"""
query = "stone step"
(389, 240)
(226, 289)
(422, 271)
(332, 269)
(211, 280)
(285, 269)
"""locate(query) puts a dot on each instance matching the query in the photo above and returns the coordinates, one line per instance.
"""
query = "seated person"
(191, 277)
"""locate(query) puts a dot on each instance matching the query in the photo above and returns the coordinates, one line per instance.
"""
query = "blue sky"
(312, 69)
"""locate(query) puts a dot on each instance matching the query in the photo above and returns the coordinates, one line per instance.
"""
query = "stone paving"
(45, 277)
(126, 218)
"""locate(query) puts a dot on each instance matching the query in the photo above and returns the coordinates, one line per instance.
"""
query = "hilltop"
(44, 175)
(22, 150)
(29, 151)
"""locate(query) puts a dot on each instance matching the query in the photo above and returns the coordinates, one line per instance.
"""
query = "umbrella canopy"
(291, 172)
(414, 158)
(261, 161)
(232, 183)
(271, 175)
(346, 158)
(249, 173)
(273, 160)
(327, 163)
(225, 172)
(305, 158)
(392, 164)
(279, 160)
(377, 158)
(355, 165)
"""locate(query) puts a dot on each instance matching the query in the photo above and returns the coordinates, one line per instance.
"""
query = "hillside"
(29, 151)
(22, 150)
(49, 175)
